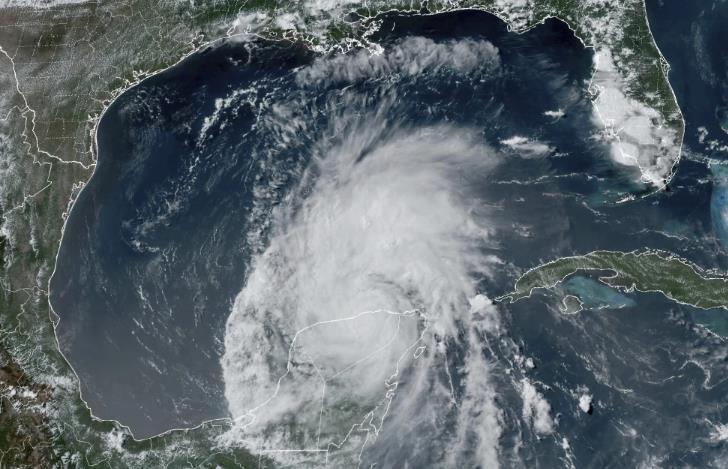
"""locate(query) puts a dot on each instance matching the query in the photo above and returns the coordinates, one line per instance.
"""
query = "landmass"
(63, 61)
(644, 271)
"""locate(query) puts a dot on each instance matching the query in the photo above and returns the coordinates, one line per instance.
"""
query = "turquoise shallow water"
(596, 295)
(196, 164)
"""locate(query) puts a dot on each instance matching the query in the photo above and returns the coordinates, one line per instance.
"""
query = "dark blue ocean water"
(192, 161)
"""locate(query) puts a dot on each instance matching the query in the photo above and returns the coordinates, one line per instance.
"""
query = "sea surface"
(209, 169)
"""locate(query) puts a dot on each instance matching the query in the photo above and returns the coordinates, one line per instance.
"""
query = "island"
(61, 65)
(643, 271)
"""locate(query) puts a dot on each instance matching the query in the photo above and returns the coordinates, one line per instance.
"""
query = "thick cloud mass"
(376, 253)
(410, 57)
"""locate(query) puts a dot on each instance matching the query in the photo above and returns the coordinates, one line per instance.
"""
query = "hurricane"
(373, 264)
(366, 314)
(324, 244)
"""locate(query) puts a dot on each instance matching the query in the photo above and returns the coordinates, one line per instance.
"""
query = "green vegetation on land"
(60, 66)
(645, 271)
